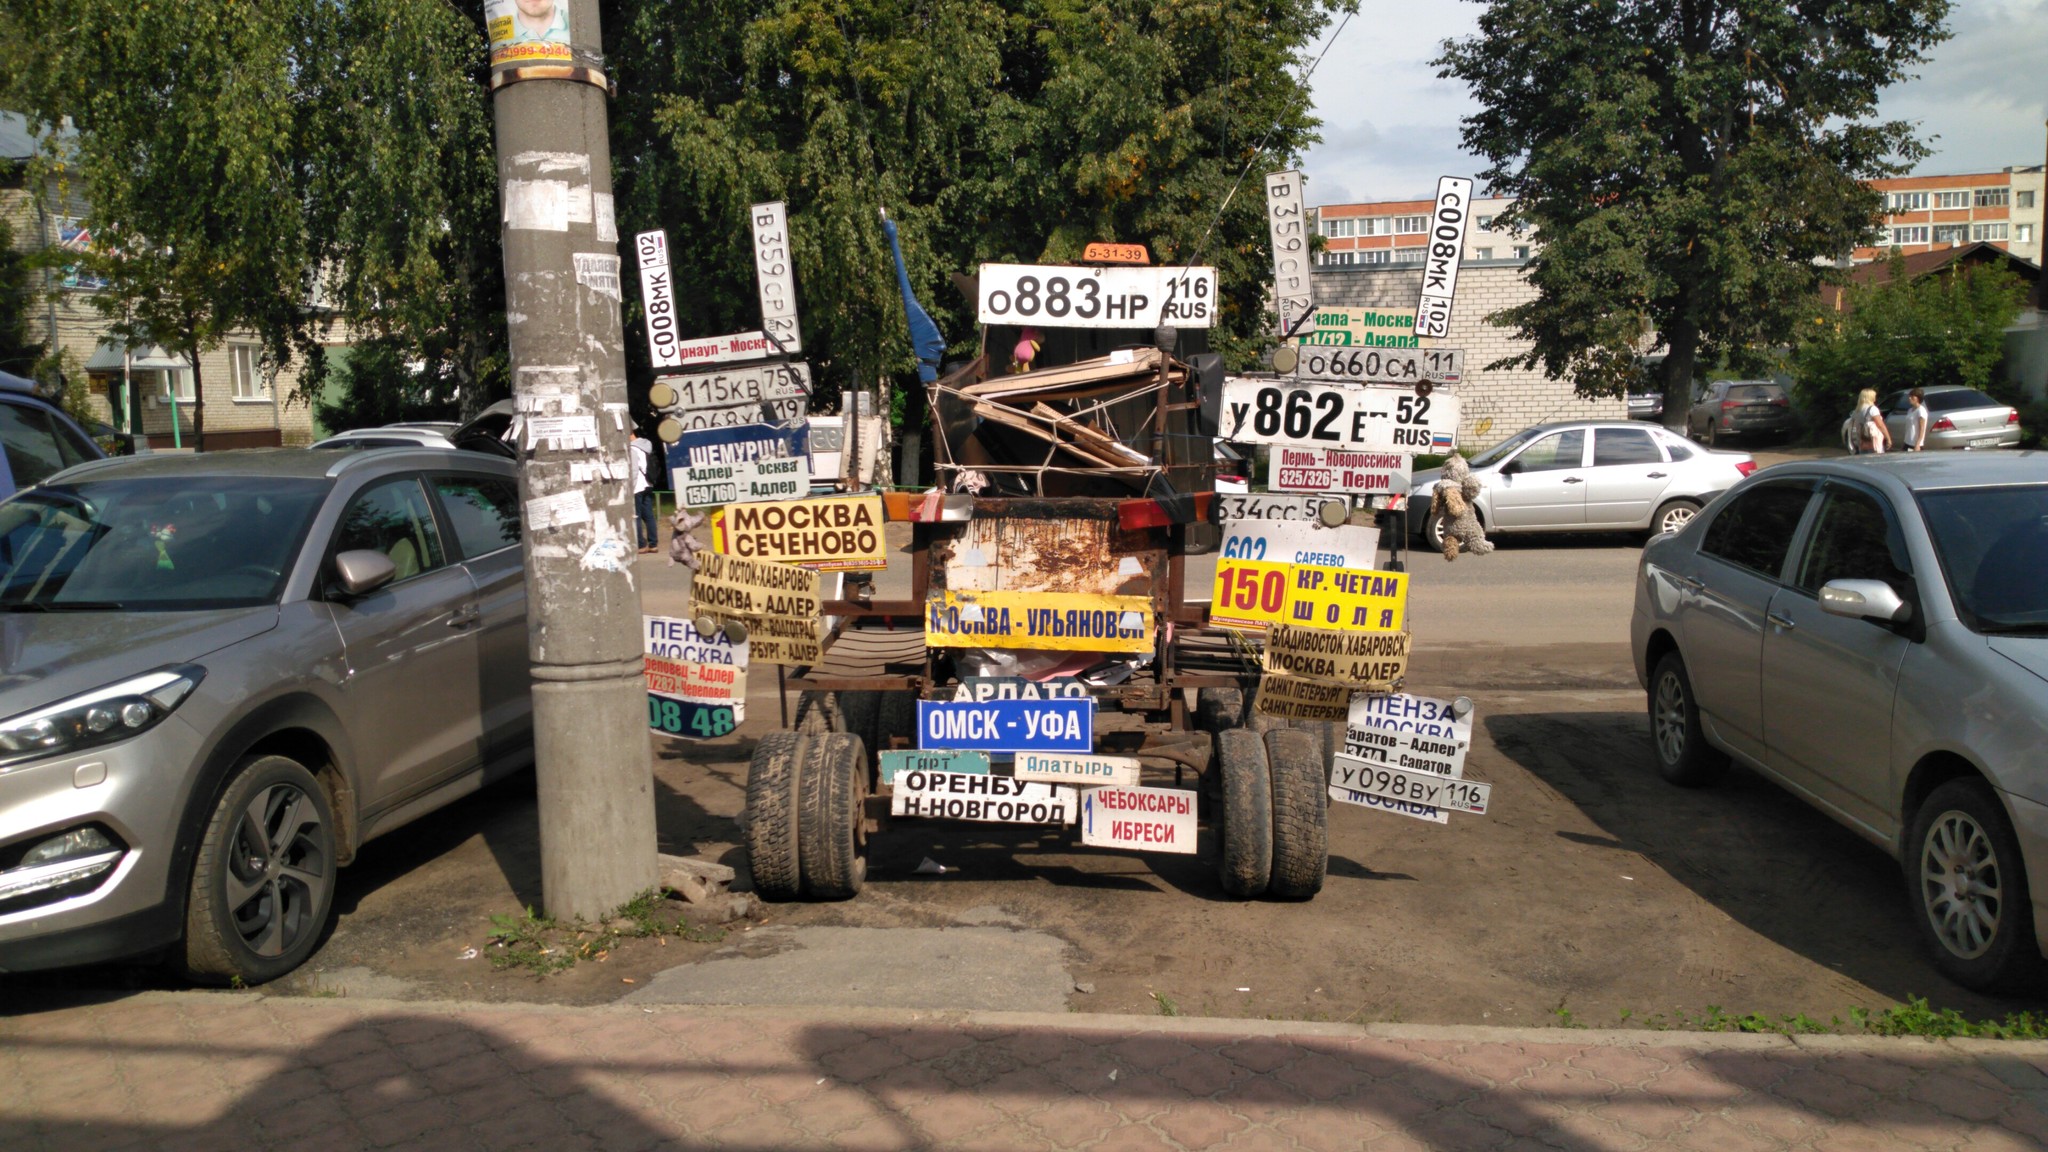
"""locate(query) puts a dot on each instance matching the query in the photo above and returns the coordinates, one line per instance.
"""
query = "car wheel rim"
(279, 870)
(1961, 884)
(1670, 718)
(1676, 518)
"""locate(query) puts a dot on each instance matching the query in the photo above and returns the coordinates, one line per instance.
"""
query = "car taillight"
(1745, 466)
(1781, 402)
(2012, 417)
(1947, 425)
(1727, 404)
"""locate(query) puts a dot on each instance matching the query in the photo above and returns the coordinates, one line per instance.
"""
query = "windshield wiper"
(62, 606)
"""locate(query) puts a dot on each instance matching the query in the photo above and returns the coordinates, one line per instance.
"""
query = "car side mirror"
(362, 571)
(1511, 467)
(1865, 600)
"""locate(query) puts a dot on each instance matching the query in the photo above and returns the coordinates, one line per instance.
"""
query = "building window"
(1916, 234)
(245, 363)
(1988, 231)
(1951, 199)
(1334, 259)
(1373, 256)
(1409, 225)
(1993, 197)
(1908, 201)
(1486, 223)
(1951, 233)
(1408, 255)
(179, 379)
(2023, 233)
(2023, 199)
(1340, 227)
(1482, 253)
(1521, 251)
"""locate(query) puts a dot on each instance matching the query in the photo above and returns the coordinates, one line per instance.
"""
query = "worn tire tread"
(772, 794)
(829, 845)
(1245, 866)
(1301, 840)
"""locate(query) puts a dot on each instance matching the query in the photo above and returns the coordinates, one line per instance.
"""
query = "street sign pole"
(562, 294)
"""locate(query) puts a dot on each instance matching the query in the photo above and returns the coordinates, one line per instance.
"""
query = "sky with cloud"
(1390, 127)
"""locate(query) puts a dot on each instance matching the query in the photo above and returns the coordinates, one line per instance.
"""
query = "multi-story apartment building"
(1394, 232)
(1929, 213)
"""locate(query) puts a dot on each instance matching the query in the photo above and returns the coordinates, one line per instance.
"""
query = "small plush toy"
(1455, 492)
(683, 547)
(1026, 353)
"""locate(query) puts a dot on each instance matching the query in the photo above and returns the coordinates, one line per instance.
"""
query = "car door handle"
(1658, 475)
(1573, 480)
(1784, 622)
(464, 616)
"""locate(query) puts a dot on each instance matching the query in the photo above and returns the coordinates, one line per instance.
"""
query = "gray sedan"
(1599, 476)
(1957, 417)
(221, 674)
(1872, 634)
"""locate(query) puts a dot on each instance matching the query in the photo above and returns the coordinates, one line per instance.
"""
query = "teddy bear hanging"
(1455, 492)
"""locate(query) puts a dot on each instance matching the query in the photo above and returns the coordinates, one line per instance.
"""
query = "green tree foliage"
(1946, 327)
(379, 382)
(1684, 165)
(990, 132)
(20, 352)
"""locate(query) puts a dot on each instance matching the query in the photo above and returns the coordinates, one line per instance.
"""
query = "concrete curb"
(2012, 1057)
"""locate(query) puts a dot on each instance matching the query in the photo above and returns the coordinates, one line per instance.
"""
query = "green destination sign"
(1359, 328)
(974, 763)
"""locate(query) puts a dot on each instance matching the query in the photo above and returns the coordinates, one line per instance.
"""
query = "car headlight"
(103, 716)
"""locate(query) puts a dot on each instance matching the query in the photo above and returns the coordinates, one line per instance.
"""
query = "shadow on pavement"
(190, 1073)
(1746, 846)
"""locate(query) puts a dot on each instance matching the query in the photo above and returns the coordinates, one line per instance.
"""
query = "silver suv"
(1872, 633)
(221, 674)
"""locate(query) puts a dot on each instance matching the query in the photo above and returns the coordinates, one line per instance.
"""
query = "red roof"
(1921, 263)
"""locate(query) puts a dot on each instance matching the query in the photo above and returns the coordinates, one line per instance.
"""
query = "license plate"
(1410, 787)
(1988, 442)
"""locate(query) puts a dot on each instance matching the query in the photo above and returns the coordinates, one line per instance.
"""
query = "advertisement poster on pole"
(527, 31)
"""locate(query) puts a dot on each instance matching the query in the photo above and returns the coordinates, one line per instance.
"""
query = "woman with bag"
(1867, 431)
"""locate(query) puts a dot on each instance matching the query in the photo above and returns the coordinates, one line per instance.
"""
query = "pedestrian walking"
(1867, 433)
(1916, 421)
(643, 494)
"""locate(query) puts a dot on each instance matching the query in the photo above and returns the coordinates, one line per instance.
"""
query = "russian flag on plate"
(1440, 441)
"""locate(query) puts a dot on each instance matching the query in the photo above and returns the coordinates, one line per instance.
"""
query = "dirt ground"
(1593, 893)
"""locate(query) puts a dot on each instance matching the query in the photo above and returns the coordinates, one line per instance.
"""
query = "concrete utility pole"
(562, 298)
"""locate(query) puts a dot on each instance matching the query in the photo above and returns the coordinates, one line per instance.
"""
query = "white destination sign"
(1403, 785)
(726, 387)
(1366, 418)
(1230, 506)
(1380, 365)
(1291, 469)
(1069, 768)
(702, 486)
(774, 271)
(1440, 260)
(1145, 819)
(1285, 226)
(718, 349)
(1408, 732)
(1298, 542)
(992, 799)
(1060, 297)
(657, 297)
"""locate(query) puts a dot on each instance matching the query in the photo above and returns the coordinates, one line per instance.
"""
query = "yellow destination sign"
(832, 534)
(1081, 621)
(778, 603)
(1346, 658)
(1249, 595)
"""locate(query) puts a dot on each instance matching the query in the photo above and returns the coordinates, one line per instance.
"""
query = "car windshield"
(1958, 400)
(156, 544)
(1993, 544)
(1501, 451)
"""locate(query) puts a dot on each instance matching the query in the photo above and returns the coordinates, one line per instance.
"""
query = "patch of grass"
(1717, 1019)
(1166, 1005)
(1915, 1018)
(543, 946)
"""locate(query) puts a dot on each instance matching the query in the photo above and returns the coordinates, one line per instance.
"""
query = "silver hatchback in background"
(1957, 417)
(1598, 476)
(1872, 634)
(221, 674)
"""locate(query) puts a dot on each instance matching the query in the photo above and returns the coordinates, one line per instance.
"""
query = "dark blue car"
(37, 440)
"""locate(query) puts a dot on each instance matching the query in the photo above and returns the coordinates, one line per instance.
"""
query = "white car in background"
(1587, 476)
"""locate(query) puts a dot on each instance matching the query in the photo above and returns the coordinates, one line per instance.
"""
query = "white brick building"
(1496, 403)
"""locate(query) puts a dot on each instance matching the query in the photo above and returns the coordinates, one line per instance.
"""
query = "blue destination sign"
(971, 763)
(1007, 725)
(738, 444)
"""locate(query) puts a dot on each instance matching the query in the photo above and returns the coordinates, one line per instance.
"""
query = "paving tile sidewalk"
(243, 1071)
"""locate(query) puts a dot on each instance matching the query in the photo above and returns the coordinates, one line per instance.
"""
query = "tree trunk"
(1683, 340)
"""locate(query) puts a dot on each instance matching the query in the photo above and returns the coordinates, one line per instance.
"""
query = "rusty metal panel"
(1013, 554)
